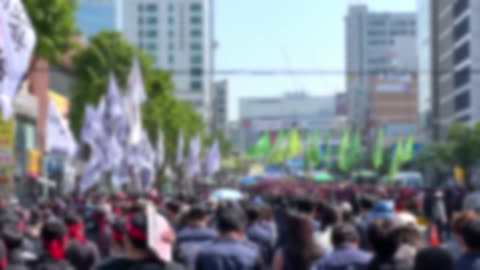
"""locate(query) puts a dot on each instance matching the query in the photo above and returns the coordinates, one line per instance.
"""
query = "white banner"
(213, 159)
(17, 41)
(194, 157)
(180, 148)
(160, 149)
(58, 136)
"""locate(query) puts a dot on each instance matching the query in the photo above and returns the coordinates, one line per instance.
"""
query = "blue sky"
(285, 34)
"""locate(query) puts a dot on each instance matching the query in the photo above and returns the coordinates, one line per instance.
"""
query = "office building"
(424, 49)
(94, 16)
(455, 53)
(376, 42)
(273, 114)
(177, 34)
(220, 106)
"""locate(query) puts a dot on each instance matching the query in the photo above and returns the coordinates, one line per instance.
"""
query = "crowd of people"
(277, 231)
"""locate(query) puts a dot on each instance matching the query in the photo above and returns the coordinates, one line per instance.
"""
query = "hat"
(382, 209)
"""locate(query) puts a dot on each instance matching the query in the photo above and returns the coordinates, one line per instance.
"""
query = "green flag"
(408, 151)
(378, 151)
(312, 155)
(261, 147)
(355, 149)
(328, 149)
(343, 151)
(277, 154)
(396, 160)
(294, 147)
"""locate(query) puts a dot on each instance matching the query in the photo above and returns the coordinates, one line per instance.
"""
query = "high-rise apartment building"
(178, 35)
(94, 16)
(455, 54)
(375, 42)
(220, 106)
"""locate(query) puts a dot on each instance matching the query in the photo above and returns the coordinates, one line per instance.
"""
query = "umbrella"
(248, 180)
(322, 176)
(226, 194)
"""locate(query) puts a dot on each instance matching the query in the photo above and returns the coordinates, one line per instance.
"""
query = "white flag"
(160, 149)
(90, 120)
(58, 137)
(135, 98)
(120, 174)
(213, 159)
(194, 157)
(180, 149)
(17, 41)
(92, 172)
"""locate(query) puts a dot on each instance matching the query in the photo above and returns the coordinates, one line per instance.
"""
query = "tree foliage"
(108, 52)
(54, 23)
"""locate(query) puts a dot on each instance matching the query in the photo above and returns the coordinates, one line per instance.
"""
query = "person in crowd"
(118, 230)
(230, 251)
(301, 251)
(54, 239)
(384, 244)
(17, 258)
(439, 215)
(330, 217)
(194, 237)
(365, 205)
(470, 259)
(80, 252)
(409, 241)
(305, 205)
(433, 258)
(457, 246)
(346, 254)
(101, 233)
(33, 229)
(137, 253)
(260, 234)
(173, 214)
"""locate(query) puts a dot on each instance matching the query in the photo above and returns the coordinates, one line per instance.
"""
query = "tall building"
(94, 16)
(455, 53)
(178, 35)
(375, 42)
(424, 49)
(220, 106)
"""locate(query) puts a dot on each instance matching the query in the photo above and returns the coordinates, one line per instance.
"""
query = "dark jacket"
(468, 261)
(262, 236)
(82, 256)
(48, 263)
(127, 264)
(389, 264)
(191, 241)
(102, 239)
(16, 262)
(345, 258)
(229, 254)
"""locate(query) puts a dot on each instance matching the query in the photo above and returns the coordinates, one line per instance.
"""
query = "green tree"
(226, 146)
(54, 23)
(464, 144)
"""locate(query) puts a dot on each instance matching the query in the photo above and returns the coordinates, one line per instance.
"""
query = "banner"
(194, 157)
(17, 41)
(134, 99)
(58, 136)
(7, 143)
(34, 163)
(213, 159)
(160, 149)
(159, 231)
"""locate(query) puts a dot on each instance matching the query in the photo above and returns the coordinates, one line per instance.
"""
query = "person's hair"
(304, 205)
(366, 202)
(72, 218)
(173, 207)
(408, 234)
(460, 218)
(434, 258)
(470, 232)
(381, 237)
(196, 213)
(137, 222)
(36, 216)
(231, 219)
(12, 238)
(300, 244)
(343, 234)
(330, 217)
(53, 229)
(253, 214)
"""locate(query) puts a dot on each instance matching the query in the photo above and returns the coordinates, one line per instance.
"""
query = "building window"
(196, 7)
(152, 33)
(171, 59)
(152, 20)
(462, 101)
(461, 29)
(459, 7)
(140, 20)
(151, 7)
(398, 32)
(140, 7)
(170, 20)
(196, 33)
(376, 33)
(196, 46)
(464, 118)
(195, 20)
(196, 59)
(171, 47)
(196, 85)
(462, 77)
(462, 53)
(151, 47)
(171, 7)
(196, 72)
